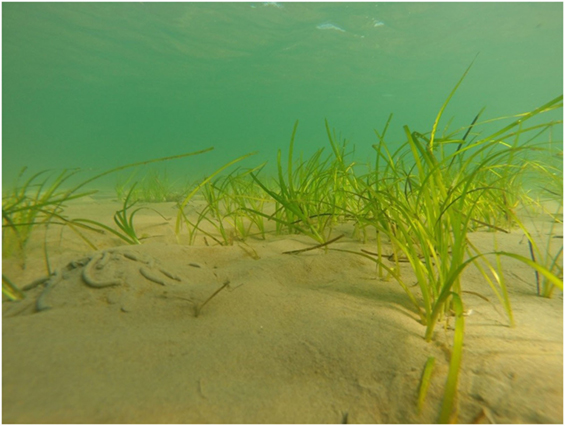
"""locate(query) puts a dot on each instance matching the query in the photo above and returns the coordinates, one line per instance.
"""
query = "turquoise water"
(99, 85)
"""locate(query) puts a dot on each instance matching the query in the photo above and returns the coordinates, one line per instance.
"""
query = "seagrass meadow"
(409, 273)
(443, 233)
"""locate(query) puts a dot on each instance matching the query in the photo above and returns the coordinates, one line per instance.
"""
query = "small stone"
(126, 308)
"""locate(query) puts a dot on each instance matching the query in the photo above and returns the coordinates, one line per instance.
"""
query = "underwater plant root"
(89, 278)
(137, 258)
(36, 283)
(170, 275)
(100, 260)
(40, 303)
(51, 281)
(150, 276)
(147, 272)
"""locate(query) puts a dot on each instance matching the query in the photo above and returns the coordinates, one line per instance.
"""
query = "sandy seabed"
(308, 338)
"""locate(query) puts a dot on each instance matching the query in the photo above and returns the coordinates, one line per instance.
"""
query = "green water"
(103, 84)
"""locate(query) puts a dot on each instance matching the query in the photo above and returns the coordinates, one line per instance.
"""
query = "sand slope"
(308, 338)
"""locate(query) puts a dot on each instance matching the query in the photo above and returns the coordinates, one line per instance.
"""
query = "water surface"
(97, 85)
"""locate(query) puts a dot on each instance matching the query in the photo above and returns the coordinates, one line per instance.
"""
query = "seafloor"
(307, 338)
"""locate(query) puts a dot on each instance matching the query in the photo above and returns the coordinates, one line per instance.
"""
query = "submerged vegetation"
(418, 203)
(40, 202)
(154, 186)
